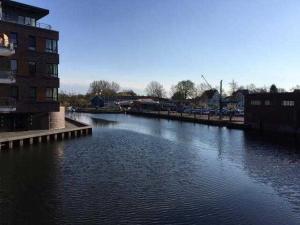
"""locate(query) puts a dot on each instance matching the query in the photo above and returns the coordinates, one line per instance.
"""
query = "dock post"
(55, 137)
(69, 134)
(62, 136)
(30, 141)
(75, 133)
(48, 138)
(0, 146)
(39, 139)
(10, 144)
(21, 143)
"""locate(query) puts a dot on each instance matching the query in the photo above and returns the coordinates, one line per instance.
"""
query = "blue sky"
(134, 42)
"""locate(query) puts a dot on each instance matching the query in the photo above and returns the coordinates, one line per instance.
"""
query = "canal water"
(136, 170)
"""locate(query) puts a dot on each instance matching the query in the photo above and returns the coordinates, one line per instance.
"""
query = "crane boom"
(208, 84)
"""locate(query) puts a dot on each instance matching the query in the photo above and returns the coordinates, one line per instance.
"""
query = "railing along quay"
(229, 122)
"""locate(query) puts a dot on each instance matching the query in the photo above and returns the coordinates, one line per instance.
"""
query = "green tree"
(178, 96)
(185, 89)
(273, 88)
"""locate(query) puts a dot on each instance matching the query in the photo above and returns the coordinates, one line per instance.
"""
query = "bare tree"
(251, 88)
(155, 89)
(104, 88)
(233, 87)
(297, 87)
(200, 88)
(127, 92)
(115, 87)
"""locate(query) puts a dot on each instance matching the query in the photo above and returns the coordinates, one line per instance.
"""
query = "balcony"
(31, 23)
(6, 48)
(7, 105)
(7, 77)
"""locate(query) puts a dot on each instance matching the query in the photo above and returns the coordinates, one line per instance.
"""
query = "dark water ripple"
(144, 171)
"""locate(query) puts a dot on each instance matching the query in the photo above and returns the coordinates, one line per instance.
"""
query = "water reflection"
(97, 122)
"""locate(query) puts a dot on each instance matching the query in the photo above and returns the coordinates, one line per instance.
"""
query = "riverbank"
(9, 140)
(99, 110)
(234, 123)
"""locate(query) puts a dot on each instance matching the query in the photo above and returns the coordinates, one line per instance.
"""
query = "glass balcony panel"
(7, 77)
(7, 104)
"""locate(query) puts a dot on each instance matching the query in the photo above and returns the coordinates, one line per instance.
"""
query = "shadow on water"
(29, 179)
(285, 142)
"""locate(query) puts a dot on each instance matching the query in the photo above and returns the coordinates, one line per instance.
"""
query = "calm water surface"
(135, 170)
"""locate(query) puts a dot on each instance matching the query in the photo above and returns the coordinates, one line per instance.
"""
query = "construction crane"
(220, 96)
(208, 84)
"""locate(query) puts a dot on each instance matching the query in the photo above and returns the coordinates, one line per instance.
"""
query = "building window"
(26, 21)
(52, 69)
(14, 39)
(288, 103)
(49, 93)
(33, 93)
(14, 66)
(256, 102)
(21, 20)
(15, 92)
(51, 46)
(32, 68)
(52, 94)
(55, 94)
(32, 43)
(267, 102)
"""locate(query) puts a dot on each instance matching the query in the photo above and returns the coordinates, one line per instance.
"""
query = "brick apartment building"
(28, 68)
(274, 112)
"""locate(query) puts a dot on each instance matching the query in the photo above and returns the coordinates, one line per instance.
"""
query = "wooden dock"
(9, 140)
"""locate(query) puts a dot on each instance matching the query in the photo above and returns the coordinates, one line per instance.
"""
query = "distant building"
(230, 102)
(146, 104)
(236, 100)
(273, 111)
(209, 99)
(97, 102)
(239, 97)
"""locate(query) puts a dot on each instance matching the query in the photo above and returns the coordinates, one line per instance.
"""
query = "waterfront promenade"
(73, 128)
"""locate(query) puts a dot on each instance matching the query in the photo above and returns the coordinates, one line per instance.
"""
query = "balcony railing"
(7, 49)
(36, 24)
(7, 104)
(7, 77)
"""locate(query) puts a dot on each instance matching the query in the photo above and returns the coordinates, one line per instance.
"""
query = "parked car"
(197, 111)
(188, 110)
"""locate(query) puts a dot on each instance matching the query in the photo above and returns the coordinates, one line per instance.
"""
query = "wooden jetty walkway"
(9, 140)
